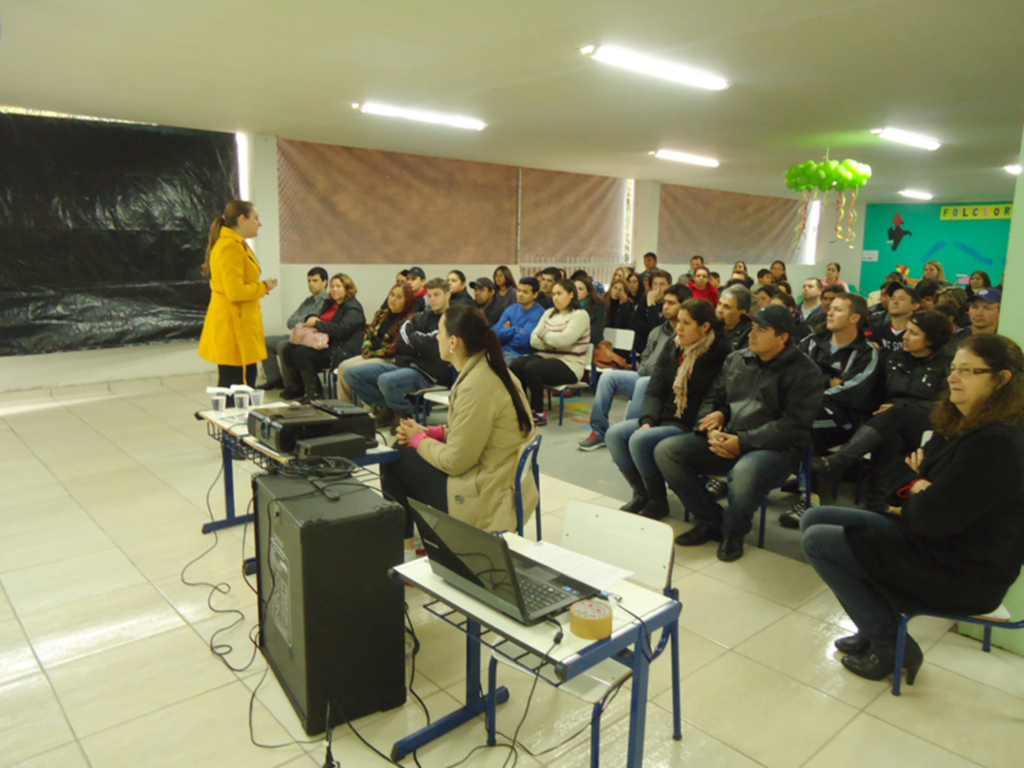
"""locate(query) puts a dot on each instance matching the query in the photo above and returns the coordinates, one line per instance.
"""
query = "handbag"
(304, 336)
(606, 357)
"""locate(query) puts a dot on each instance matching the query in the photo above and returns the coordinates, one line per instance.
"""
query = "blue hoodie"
(517, 338)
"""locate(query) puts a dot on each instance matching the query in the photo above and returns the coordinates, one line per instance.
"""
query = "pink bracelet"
(435, 433)
(418, 438)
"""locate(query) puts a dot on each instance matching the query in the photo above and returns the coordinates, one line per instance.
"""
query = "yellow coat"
(233, 331)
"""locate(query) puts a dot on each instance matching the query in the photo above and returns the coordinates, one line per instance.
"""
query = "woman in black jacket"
(621, 309)
(341, 317)
(682, 376)
(915, 376)
(956, 544)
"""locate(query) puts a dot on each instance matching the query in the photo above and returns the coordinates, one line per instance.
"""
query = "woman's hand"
(643, 426)
(919, 486)
(915, 460)
(271, 284)
(714, 420)
(407, 428)
(311, 322)
(885, 407)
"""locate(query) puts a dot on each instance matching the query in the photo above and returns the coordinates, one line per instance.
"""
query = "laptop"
(482, 565)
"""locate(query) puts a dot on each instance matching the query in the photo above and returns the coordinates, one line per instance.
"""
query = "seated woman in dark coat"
(341, 317)
(683, 375)
(956, 544)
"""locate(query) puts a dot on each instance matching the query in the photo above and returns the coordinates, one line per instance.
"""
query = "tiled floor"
(104, 655)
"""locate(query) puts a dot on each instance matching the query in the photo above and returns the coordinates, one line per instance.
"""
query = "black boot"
(311, 386)
(636, 482)
(834, 466)
(879, 662)
(874, 489)
(657, 498)
(853, 645)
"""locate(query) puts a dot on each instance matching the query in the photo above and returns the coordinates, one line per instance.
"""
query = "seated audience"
(457, 293)
(401, 277)
(764, 277)
(801, 330)
(785, 287)
(928, 293)
(632, 384)
(417, 280)
(516, 324)
(650, 264)
(380, 337)
(484, 292)
(547, 278)
(418, 364)
(341, 317)
(734, 311)
(648, 311)
(316, 280)
(776, 390)
(811, 295)
(985, 304)
(695, 263)
(933, 270)
(740, 268)
(681, 376)
(903, 302)
(715, 279)
(956, 545)
(596, 309)
(581, 274)
(832, 277)
(956, 298)
(978, 280)
(914, 378)
(765, 294)
(621, 309)
(701, 286)
(561, 338)
(505, 288)
(778, 270)
(876, 297)
(633, 284)
(466, 468)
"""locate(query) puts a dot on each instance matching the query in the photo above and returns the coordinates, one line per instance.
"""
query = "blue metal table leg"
(677, 728)
(227, 448)
(638, 704)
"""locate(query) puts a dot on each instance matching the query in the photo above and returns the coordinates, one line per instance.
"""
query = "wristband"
(436, 433)
(416, 439)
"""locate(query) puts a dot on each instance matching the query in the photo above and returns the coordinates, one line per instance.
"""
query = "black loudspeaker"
(331, 621)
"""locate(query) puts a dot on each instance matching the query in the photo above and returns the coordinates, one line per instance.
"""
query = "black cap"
(418, 272)
(911, 291)
(777, 317)
(482, 282)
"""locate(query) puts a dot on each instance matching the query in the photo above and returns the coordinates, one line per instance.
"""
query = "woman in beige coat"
(467, 469)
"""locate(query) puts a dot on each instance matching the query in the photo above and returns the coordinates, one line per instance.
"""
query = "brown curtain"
(567, 215)
(725, 226)
(343, 205)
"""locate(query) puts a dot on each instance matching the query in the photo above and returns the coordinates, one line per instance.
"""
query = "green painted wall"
(961, 246)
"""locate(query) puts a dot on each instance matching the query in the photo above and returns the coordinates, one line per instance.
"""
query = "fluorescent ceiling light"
(646, 65)
(916, 194)
(1014, 169)
(683, 157)
(422, 116)
(906, 137)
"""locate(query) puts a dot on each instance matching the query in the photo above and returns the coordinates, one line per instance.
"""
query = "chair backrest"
(635, 543)
(620, 338)
(527, 453)
(590, 356)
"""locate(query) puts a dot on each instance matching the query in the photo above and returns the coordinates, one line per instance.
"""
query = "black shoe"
(293, 393)
(657, 505)
(639, 500)
(269, 385)
(730, 549)
(852, 645)
(791, 519)
(540, 419)
(718, 489)
(878, 663)
(699, 534)
(834, 466)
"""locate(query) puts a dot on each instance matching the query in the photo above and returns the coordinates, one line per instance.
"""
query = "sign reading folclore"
(972, 212)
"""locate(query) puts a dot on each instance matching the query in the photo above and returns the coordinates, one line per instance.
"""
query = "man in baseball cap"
(417, 280)
(985, 310)
(483, 292)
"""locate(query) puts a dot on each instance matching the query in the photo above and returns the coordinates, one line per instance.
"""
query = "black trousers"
(902, 427)
(535, 371)
(413, 477)
(233, 374)
(304, 363)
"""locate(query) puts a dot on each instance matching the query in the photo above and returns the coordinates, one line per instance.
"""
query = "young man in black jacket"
(752, 426)
(418, 363)
(648, 312)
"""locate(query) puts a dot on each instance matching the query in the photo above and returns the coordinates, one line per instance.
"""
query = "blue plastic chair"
(529, 453)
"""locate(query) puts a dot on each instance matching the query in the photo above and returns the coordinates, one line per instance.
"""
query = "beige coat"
(481, 450)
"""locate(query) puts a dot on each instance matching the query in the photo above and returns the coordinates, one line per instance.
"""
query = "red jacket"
(710, 293)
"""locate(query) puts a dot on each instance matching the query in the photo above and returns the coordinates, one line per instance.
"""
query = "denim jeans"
(632, 447)
(825, 547)
(612, 383)
(385, 384)
(684, 461)
(271, 366)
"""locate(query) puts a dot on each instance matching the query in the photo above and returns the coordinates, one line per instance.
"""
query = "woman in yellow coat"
(233, 331)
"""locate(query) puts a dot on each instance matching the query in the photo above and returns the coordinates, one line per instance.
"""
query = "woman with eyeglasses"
(955, 544)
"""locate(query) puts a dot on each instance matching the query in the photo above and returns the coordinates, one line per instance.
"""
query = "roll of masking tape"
(591, 619)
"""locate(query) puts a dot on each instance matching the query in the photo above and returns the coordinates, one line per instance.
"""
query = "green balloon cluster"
(828, 174)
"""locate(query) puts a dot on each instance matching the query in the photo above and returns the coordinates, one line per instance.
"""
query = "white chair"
(634, 543)
(560, 388)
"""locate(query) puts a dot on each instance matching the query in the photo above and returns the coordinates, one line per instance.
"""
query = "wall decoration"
(973, 211)
(810, 176)
(897, 232)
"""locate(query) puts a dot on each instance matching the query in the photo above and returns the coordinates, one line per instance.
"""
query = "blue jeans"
(384, 384)
(684, 461)
(632, 447)
(612, 383)
(825, 547)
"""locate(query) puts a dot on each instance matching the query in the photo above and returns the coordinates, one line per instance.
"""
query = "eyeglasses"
(963, 371)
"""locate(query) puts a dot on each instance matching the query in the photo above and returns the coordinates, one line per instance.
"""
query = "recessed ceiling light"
(647, 65)
(684, 157)
(422, 116)
(1014, 169)
(916, 194)
(908, 138)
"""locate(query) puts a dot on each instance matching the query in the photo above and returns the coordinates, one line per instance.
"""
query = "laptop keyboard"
(538, 595)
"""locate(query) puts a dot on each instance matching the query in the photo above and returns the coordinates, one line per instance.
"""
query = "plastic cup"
(219, 403)
(256, 398)
(242, 400)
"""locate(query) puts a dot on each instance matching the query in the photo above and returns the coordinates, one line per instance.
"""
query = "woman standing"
(233, 330)
(467, 468)
(341, 317)
(956, 544)
(561, 336)
(832, 277)
(505, 289)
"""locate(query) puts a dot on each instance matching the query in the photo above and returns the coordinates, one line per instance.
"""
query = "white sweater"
(563, 336)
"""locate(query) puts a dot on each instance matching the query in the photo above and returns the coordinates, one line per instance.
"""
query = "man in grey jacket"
(633, 384)
(316, 279)
(752, 426)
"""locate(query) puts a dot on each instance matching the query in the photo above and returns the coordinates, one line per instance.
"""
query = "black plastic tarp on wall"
(103, 228)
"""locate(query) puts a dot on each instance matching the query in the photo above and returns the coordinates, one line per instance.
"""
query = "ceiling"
(806, 77)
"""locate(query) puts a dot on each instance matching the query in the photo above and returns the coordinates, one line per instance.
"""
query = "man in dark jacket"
(734, 310)
(648, 313)
(418, 362)
(752, 426)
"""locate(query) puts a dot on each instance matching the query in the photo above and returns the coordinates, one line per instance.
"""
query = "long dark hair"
(1005, 405)
(470, 325)
(703, 311)
(935, 326)
(591, 290)
(229, 218)
(570, 287)
(410, 300)
(510, 282)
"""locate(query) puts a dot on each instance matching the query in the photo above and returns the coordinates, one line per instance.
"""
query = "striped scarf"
(682, 380)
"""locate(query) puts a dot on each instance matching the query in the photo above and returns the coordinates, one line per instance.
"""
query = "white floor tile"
(31, 720)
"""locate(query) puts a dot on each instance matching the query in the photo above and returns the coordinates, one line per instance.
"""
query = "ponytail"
(229, 218)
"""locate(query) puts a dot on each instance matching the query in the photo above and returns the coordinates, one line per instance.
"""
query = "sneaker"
(791, 519)
(719, 489)
(592, 443)
(540, 419)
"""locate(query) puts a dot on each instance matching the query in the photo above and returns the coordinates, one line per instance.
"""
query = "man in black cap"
(483, 291)
(903, 302)
(417, 280)
(753, 427)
